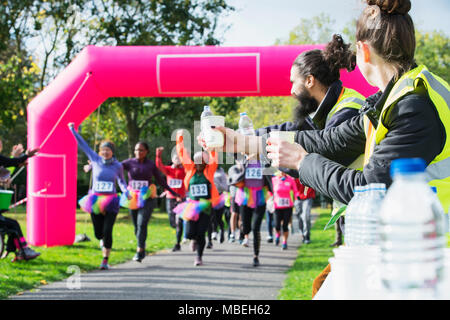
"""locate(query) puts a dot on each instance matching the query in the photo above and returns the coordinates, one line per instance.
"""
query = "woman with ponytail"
(408, 118)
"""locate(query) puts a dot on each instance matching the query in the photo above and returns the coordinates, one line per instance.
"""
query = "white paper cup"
(288, 136)
(213, 138)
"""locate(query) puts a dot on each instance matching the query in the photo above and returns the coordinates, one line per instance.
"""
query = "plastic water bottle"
(351, 214)
(412, 243)
(206, 112)
(246, 125)
(366, 231)
(213, 138)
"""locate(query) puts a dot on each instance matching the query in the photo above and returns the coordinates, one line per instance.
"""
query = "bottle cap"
(407, 166)
(377, 186)
(243, 114)
(434, 189)
(206, 108)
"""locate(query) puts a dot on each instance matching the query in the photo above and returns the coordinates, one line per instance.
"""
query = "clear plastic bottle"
(367, 232)
(351, 214)
(206, 112)
(246, 125)
(412, 247)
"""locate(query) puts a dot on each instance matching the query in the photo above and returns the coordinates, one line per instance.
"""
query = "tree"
(433, 50)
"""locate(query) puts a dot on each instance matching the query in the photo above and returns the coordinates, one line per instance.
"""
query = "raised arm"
(91, 154)
(166, 170)
(183, 154)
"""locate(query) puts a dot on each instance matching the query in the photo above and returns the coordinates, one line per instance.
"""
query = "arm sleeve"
(343, 143)
(12, 162)
(183, 154)
(85, 147)
(121, 180)
(415, 131)
(286, 126)
(342, 116)
(166, 170)
(162, 181)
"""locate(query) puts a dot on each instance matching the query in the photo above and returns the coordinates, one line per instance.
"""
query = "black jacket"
(415, 130)
(12, 162)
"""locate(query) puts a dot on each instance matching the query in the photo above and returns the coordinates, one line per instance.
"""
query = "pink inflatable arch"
(98, 73)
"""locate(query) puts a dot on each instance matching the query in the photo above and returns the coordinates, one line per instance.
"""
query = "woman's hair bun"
(392, 6)
(338, 55)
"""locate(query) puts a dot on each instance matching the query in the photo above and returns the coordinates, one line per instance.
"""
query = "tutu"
(138, 197)
(99, 203)
(190, 210)
(220, 203)
(250, 197)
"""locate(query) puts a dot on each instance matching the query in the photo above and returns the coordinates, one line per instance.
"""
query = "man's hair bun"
(392, 6)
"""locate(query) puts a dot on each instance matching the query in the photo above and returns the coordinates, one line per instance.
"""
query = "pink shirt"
(284, 192)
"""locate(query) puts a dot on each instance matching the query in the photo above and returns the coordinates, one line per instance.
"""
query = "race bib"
(103, 186)
(175, 183)
(198, 190)
(253, 173)
(283, 202)
(138, 184)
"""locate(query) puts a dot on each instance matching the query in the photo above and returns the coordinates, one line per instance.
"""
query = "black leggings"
(14, 232)
(175, 222)
(217, 220)
(103, 227)
(195, 230)
(251, 221)
(140, 218)
(283, 215)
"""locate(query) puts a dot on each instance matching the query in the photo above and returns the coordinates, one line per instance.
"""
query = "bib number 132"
(199, 190)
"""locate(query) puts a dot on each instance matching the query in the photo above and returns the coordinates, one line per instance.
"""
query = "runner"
(202, 195)
(251, 197)
(220, 180)
(102, 201)
(285, 192)
(175, 175)
(141, 170)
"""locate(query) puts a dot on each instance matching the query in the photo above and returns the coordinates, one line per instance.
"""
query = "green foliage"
(433, 50)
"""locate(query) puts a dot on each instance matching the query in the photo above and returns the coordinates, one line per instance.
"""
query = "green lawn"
(53, 263)
(311, 260)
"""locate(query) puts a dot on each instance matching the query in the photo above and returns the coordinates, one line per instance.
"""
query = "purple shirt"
(253, 175)
(144, 171)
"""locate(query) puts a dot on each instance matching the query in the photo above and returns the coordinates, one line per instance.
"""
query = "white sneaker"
(245, 242)
(214, 236)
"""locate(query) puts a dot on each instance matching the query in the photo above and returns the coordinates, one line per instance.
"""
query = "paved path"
(227, 273)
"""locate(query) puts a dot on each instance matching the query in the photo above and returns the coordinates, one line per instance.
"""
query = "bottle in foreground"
(412, 237)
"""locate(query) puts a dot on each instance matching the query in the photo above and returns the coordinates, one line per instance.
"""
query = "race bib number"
(104, 186)
(253, 173)
(175, 183)
(284, 202)
(138, 184)
(198, 190)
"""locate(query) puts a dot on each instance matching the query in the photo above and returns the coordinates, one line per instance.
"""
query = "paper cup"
(288, 136)
(213, 138)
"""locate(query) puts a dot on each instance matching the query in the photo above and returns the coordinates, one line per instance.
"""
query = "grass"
(53, 263)
(311, 260)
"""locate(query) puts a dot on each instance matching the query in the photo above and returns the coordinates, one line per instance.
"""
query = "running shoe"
(284, 246)
(307, 241)
(176, 247)
(29, 253)
(139, 256)
(245, 242)
(104, 265)
(198, 261)
(255, 262)
(277, 240)
(209, 245)
(231, 239)
(222, 236)
(269, 239)
(214, 236)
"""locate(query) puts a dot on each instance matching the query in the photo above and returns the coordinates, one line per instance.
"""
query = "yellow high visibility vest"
(349, 98)
(438, 171)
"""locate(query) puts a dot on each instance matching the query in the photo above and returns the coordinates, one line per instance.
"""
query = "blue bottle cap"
(434, 189)
(243, 114)
(407, 166)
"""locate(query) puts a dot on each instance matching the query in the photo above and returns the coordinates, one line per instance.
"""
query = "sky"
(262, 22)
